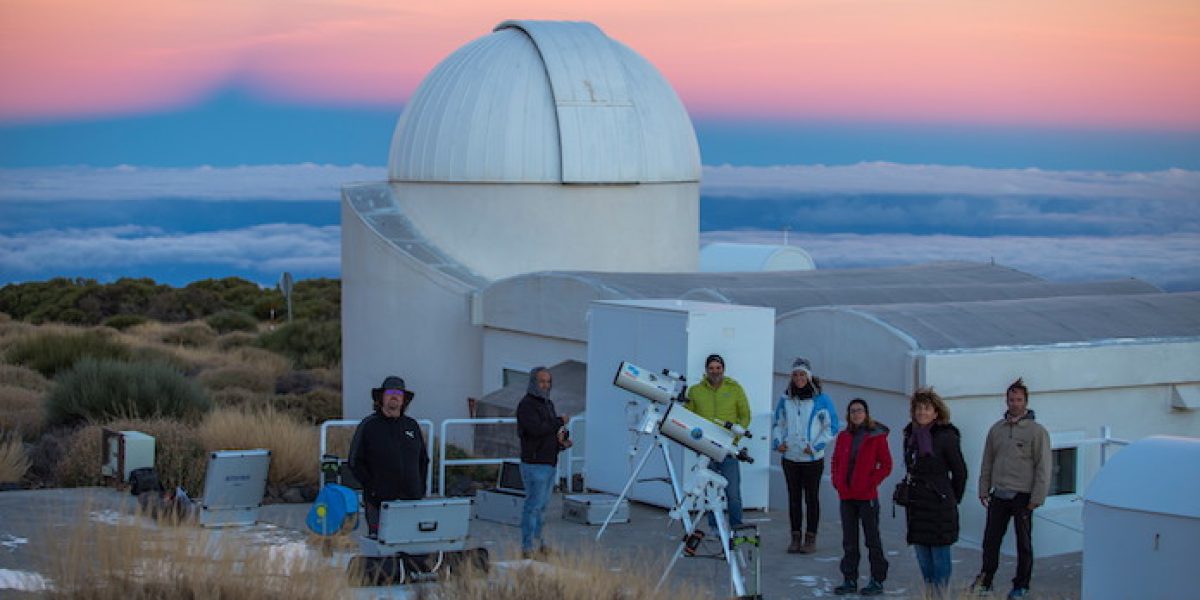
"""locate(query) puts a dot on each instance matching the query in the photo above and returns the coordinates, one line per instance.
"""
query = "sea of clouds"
(1062, 225)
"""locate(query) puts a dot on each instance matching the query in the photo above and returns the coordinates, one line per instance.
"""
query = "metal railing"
(426, 430)
(565, 469)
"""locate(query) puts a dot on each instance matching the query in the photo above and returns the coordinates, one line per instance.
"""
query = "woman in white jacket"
(803, 425)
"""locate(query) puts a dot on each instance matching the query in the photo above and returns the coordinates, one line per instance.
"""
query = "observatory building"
(540, 146)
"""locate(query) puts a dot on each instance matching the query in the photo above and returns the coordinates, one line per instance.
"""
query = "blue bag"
(335, 508)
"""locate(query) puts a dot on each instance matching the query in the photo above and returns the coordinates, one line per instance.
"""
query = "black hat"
(391, 382)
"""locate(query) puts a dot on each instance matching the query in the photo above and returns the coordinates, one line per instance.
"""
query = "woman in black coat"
(933, 456)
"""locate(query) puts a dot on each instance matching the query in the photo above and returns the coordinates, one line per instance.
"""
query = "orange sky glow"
(1070, 63)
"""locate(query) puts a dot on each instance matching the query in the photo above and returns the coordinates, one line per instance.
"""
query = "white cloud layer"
(268, 248)
(323, 182)
(264, 182)
(892, 178)
(1169, 261)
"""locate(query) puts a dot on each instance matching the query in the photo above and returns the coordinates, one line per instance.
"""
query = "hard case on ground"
(416, 526)
(499, 506)
(592, 509)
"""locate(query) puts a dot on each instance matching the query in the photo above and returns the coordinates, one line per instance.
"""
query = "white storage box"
(500, 506)
(416, 526)
(592, 509)
(125, 451)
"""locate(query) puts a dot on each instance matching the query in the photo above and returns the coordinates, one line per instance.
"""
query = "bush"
(293, 445)
(123, 322)
(237, 377)
(241, 399)
(194, 335)
(21, 411)
(236, 339)
(232, 320)
(13, 462)
(98, 390)
(23, 377)
(51, 352)
(310, 344)
(80, 455)
(315, 407)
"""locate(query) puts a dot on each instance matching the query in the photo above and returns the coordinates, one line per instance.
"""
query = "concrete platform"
(30, 519)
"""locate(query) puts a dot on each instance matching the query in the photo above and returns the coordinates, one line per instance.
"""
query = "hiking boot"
(979, 587)
(1018, 593)
(850, 586)
(810, 543)
(874, 588)
(797, 543)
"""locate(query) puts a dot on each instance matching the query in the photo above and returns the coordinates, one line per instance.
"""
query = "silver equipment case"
(421, 526)
(591, 509)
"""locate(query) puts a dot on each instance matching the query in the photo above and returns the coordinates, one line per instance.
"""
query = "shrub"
(293, 445)
(232, 320)
(239, 398)
(269, 363)
(13, 462)
(99, 391)
(123, 322)
(23, 377)
(315, 407)
(21, 411)
(309, 344)
(51, 352)
(80, 457)
(236, 339)
(236, 377)
(194, 335)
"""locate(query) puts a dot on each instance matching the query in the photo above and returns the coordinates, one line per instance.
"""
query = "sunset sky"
(1131, 64)
(1065, 133)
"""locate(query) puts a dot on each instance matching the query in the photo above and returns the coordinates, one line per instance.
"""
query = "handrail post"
(442, 459)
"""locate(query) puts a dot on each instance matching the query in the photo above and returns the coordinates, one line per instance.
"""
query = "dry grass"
(23, 377)
(138, 558)
(293, 445)
(585, 575)
(13, 461)
(21, 411)
(237, 376)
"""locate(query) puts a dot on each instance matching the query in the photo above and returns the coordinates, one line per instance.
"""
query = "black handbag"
(902, 495)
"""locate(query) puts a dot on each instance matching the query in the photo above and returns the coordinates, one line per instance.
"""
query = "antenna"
(786, 228)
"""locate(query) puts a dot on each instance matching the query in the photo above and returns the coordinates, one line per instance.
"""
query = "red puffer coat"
(872, 464)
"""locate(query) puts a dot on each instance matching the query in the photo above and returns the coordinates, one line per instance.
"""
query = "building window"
(515, 376)
(1064, 472)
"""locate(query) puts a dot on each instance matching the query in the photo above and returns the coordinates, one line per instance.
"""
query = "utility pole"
(285, 286)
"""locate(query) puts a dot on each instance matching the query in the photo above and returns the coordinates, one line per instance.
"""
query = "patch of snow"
(25, 581)
(11, 542)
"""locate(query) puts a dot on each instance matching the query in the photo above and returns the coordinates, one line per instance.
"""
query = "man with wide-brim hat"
(388, 454)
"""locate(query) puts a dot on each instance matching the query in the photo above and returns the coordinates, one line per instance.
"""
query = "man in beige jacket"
(1013, 481)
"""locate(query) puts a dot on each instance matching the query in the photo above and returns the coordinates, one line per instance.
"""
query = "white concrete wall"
(523, 351)
(401, 318)
(1061, 393)
(500, 230)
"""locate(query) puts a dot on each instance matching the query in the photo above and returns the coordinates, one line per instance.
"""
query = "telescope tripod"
(676, 488)
(707, 495)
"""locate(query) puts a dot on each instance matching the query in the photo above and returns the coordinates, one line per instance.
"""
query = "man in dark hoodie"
(388, 454)
(1013, 481)
(543, 435)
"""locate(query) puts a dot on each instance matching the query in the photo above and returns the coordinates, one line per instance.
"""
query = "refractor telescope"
(677, 422)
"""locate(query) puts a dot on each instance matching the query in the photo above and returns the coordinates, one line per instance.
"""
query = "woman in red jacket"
(861, 461)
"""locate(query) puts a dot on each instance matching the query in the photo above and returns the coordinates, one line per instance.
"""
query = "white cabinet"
(676, 335)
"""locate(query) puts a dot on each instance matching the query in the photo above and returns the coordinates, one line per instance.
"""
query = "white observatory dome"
(544, 102)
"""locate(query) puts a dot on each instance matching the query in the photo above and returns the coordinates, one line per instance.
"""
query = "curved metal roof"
(545, 102)
(728, 256)
(1108, 318)
(555, 303)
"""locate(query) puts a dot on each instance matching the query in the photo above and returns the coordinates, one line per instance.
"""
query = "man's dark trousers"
(998, 514)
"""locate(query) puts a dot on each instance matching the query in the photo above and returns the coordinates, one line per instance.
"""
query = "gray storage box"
(416, 526)
(592, 509)
(234, 485)
(500, 506)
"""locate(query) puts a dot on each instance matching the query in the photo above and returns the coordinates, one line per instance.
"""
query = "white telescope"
(656, 387)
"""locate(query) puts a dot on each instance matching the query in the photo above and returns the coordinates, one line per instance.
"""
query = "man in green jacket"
(722, 400)
(1013, 481)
